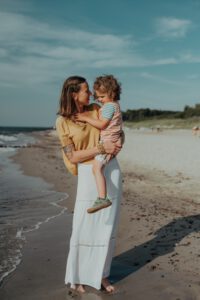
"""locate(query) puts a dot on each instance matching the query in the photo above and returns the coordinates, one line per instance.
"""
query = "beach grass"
(166, 123)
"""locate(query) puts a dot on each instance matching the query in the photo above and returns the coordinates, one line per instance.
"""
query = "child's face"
(102, 97)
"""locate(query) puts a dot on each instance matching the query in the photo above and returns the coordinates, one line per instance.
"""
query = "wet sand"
(157, 251)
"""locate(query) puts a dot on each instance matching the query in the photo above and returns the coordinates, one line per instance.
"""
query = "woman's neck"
(79, 107)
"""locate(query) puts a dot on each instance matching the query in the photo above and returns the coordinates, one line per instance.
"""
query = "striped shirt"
(111, 111)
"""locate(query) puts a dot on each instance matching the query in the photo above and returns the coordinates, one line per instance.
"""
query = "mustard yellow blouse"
(83, 136)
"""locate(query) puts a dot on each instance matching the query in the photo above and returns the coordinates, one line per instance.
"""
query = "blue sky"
(152, 47)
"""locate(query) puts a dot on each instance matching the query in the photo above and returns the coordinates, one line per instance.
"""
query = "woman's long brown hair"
(67, 106)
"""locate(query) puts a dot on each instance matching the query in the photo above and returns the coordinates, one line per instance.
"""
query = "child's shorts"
(101, 158)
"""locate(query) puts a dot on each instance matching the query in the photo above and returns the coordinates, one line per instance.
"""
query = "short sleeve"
(108, 111)
(65, 139)
(63, 132)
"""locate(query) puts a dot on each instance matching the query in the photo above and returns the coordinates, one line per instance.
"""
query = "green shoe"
(100, 203)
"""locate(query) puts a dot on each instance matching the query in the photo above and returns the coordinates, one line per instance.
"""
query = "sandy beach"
(157, 251)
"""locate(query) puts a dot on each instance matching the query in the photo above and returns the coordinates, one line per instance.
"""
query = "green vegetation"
(187, 118)
(165, 123)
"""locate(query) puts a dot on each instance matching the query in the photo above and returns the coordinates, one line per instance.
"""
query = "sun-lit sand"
(157, 250)
(172, 151)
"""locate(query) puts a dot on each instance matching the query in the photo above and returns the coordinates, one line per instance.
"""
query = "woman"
(93, 236)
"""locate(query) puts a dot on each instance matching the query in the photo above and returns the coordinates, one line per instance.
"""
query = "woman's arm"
(76, 156)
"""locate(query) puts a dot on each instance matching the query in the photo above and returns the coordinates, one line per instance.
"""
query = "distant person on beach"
(196, 130)
(107, 91)
(93, 235)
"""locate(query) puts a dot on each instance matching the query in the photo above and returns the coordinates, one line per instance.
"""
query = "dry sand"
(157, 251)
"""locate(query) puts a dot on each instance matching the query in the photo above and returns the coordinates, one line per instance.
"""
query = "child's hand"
(81, 116)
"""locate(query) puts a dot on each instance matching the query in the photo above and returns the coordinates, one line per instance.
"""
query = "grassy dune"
(188, 123)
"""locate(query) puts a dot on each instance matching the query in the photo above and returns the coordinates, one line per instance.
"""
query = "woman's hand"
(111, 148)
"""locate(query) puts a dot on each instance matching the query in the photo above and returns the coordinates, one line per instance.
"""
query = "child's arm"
(97, 123)
(101, 123)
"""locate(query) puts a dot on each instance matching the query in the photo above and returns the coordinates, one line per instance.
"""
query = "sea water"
(25, 202)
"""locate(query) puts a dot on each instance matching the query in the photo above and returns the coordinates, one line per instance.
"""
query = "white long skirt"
(93, 235)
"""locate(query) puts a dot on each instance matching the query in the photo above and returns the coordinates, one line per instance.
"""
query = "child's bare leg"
(99, 178)
(102, 201)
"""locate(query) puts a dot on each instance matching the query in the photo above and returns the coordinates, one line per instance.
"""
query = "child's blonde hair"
(108, 84)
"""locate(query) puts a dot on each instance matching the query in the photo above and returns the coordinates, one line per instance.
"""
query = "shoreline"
(153, 202)
(50, 166)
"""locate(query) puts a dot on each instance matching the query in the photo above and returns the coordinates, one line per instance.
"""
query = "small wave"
(37, 226)
(16, 259)
(6, 149)
(19, 140)
(13, 260)
(19, 234)
(8, 138)
(16, 262)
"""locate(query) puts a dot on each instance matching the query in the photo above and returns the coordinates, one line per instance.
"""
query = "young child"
(107, 91)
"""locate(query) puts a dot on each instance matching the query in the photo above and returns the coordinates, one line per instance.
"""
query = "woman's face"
(83, 96)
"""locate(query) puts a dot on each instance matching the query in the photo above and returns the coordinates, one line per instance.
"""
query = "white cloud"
(16, 5)
(17, 29)
(190, 58)
(157, 78)
(36, 52)
(165, 61)
(192, 76)
(3, 52)
(34, 47)
(169, 27)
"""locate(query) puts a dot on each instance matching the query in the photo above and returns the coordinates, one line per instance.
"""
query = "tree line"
(147, 113)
